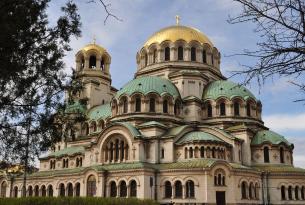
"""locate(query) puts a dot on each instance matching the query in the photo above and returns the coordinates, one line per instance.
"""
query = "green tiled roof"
(267, 136)
(198, 136)
(175, 131)
(279, 168)
(225, 88)
(152, 124)
(69, 151)
(75, 107)
(149, 84)
(133, 130)
(100, 112)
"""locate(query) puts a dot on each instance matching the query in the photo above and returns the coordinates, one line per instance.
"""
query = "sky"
(142, 18)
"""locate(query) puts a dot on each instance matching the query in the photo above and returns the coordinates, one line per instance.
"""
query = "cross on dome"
(177, 20)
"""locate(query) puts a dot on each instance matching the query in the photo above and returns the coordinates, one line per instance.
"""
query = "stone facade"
(179, 132)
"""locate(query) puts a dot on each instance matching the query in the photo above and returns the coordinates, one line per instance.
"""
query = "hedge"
(75, 201)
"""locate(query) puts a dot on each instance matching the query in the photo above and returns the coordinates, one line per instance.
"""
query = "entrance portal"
(220, 198)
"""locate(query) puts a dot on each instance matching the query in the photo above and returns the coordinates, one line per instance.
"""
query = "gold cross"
(94, 39)
(177, 20)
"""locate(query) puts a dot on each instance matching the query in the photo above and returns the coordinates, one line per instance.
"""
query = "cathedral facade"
(179, 132)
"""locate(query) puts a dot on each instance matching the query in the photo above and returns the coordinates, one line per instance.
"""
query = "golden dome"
(177, 32)
(95, 47)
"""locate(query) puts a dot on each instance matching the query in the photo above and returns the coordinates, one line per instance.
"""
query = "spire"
(177, 20)
(94, 39)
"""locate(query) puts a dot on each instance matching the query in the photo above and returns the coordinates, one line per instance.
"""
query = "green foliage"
(75, 201)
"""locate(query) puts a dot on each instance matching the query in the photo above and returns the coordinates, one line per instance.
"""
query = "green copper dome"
(75, 107)
(228, 89)
(99, 112)
(149, 84)
(198, 136)
(267, 136)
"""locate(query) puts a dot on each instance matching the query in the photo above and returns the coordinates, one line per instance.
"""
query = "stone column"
(86, 66)
(98, 64)
(187, 53)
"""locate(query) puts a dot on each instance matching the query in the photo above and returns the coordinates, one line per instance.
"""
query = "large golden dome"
(177, 32)
(95, 47)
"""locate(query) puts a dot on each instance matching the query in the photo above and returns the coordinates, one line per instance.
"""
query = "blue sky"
(141, 18)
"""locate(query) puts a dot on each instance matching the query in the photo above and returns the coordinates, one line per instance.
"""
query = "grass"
(75, 201)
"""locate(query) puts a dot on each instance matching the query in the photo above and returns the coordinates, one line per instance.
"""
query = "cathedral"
(178, 133)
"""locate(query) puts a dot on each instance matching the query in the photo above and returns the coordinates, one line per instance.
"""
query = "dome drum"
(93, 57)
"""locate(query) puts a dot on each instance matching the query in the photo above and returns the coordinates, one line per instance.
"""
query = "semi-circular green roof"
(75, 107)
(267, 136)
(197, 136)
(149, 84)
(225, 88)
(100, 112)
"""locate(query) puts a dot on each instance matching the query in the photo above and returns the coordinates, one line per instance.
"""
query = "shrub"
(75, 201)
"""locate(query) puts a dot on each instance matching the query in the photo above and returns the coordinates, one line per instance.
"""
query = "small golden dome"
(177, 32)
(95, 47)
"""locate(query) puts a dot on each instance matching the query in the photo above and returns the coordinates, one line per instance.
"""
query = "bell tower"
(92, 70)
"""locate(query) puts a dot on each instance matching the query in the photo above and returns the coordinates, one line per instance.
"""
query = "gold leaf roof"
(94, 46)
(177, 32)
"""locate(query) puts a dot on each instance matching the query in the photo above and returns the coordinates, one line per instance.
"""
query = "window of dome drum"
(222, 109)
(282, 155)
(138, 104)
(266, 155)
(180, 53)
(193, 54)
(236, 109)
(155, 56)
(204, 56)
(167, 54)
(209, 110)
(165, 106)
(152, 105)
(92, 62)
(248, 109)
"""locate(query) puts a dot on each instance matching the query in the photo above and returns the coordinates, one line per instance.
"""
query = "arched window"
(180, 53)
(36, 190)
(210, 110)
(92, 62)
(77, 189)
(123, 189)
(167, 54)
(243, 190)
(190, 189)
(162, 153)
(30, 191)
(165, 106)
(282, 155)
(15, 191)
(146, 59)
(219, 180)
(167, 190)
(178, 189)
(61, 190)
(3, 189)
(251, 190)
(202, 152)
(185, 152)
(177, 108)
(155, 56)
(93, 126)
(116, 150)
(212, 59)
(191, 152)
(204, 56)
(193, 54)
(102, 64)
(125, 105)
(43, 190)
(302, 193)
(152, 105)
(70, 189)
(222, 109)
(266, 155)
(138, 104)
(113, 189)
(248, 110)
(296, 192)
(283, 192)
(122, 150)
(133, 188)
(50, 190)
(290, 192)
(236, 109)
(213, 152)
(91, 186)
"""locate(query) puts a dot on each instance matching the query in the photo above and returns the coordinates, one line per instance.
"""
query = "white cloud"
(299, 151)
(285, 122)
